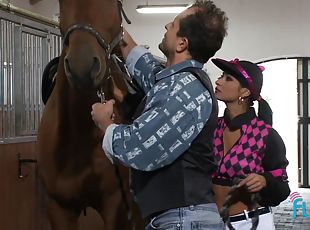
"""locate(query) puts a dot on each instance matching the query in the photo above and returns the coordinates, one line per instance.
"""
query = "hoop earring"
(240, 100)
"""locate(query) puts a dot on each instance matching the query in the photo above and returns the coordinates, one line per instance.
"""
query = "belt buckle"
(151, 222)
(246, 214)
(150, 219)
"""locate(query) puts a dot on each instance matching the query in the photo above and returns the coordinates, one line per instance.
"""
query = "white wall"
(280, 84)
(257, 30)
(46, 8)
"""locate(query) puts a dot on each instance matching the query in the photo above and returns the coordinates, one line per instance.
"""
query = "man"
(169, 144)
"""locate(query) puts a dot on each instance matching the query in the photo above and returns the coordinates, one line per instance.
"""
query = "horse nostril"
(96, 68)
(67, 66)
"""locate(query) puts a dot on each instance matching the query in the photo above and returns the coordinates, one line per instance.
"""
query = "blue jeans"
(194, 217)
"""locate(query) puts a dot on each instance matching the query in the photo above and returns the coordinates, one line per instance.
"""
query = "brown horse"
(71, 162)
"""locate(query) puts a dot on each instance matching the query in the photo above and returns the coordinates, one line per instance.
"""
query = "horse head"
(91, 31)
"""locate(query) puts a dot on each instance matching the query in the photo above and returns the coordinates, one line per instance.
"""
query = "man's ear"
(182, 44)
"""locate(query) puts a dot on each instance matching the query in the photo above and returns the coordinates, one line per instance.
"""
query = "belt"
(250, 214)
(149, 218)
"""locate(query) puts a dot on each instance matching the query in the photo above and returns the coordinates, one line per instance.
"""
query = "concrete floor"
(283, 214)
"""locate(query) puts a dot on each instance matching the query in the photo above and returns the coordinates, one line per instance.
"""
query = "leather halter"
(108, 47)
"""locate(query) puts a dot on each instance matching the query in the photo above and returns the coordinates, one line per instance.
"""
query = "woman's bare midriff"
(240, 200)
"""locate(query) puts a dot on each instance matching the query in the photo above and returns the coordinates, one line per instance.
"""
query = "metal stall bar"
(1, 83)
(26, 47)
(33, 59)
(303, 84)
(7, 62)
(10, 49)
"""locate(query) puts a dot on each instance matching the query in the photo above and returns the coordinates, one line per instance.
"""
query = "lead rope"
(228, 202)
(101, 95)
(124, 197)
(122, 11)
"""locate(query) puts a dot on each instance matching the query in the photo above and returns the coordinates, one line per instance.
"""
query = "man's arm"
(170, 122)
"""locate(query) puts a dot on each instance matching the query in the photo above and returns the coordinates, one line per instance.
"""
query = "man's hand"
(102, 114)
(253, 182)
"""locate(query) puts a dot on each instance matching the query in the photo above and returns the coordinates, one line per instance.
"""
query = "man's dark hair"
(205, 30)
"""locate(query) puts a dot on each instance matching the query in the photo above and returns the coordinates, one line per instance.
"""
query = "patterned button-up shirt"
(177, 108)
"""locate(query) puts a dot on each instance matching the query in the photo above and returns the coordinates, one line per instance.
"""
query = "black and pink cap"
(244, 70)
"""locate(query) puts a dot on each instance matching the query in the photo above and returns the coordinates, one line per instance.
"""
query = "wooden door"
(23, 198)
(22, 195)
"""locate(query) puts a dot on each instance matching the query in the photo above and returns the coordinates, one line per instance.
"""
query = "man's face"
(170, 40)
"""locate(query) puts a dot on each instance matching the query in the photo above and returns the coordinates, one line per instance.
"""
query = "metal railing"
(27, 43)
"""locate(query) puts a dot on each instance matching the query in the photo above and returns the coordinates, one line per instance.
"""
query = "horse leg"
(62, 218)
(137, 219)
(114, 213)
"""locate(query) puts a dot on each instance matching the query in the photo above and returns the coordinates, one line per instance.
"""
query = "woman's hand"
(253, 182)
(102, 114)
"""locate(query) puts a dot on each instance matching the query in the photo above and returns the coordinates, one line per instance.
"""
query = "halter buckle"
(101, 95)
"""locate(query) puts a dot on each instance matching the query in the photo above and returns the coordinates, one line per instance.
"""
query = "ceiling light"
(161, 9)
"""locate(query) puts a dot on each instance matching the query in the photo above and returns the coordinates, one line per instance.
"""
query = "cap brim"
(227, 67)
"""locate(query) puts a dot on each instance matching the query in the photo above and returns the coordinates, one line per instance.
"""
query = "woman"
(247, 147)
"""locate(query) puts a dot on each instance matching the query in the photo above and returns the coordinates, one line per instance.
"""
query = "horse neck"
(73, 107)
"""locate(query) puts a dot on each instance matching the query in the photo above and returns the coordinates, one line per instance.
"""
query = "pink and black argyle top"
(256, 151)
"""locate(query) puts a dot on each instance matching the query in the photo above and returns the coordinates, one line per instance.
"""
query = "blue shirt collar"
(167, 72)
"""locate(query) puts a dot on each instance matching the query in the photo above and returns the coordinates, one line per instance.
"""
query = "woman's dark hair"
(205, 30)
(264, 109)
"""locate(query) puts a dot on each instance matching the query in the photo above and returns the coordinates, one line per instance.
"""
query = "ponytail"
(264, 111)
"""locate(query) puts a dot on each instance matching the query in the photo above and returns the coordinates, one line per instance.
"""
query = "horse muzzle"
(86, 74)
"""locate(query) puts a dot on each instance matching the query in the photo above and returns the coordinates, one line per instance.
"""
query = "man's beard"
(163, 49)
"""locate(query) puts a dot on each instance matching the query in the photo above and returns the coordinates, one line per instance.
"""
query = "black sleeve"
(274, 163)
